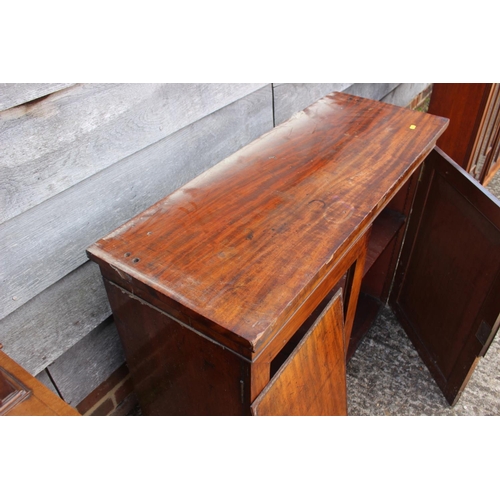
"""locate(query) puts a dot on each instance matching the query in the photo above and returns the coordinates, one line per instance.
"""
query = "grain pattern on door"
(312, 380)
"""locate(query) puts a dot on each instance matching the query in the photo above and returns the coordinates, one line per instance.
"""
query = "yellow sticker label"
(413, 127)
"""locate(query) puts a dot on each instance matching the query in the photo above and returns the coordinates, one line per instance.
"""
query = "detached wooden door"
(447, 287)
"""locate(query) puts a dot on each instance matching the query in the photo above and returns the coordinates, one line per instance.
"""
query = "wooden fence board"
(403, 94)
(66, 137)
(375, 91)
(88, 363)
(44, 378)
(14, 94)
(292, 97)
(42, 245)
(47, 326)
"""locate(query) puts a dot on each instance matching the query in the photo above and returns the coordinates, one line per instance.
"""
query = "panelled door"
(447, 286)
(312, 381)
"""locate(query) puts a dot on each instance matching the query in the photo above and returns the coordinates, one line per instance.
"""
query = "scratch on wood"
(122, 274)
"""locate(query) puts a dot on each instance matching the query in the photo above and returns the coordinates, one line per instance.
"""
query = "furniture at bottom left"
(21, 394)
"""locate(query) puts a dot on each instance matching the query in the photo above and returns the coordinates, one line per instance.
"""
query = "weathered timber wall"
(78, 160)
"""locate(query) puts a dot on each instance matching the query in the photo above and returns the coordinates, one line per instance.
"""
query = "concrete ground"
(387, 377)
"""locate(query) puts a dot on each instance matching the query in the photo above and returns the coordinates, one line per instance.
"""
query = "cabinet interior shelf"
(384, 228)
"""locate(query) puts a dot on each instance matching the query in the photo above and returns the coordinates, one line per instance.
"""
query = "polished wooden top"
(246, 242)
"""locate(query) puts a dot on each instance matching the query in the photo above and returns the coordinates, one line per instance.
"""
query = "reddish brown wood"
(384, 247)
(220, 277)
(384, 228)
(351, 293)
(260, 374)
(176, 370)
(244, 244)
(447, 290)
(312, 380)
(464, 105)
(309, 310)
(42, 401)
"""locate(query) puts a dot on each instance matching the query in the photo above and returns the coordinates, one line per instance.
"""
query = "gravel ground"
(387, 377)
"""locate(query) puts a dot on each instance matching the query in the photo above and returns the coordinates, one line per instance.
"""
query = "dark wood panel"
(447, 291)
(42, 245)
(379, 275)
(366, 312)
(384, 228)
(175, 370)
(463, 104)
(312, 380)
(222, 245)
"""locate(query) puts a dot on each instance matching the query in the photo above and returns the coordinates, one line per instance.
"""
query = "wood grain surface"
(175, 370)
(463, 104)
(312, 381)
(87, 364)
(245, 243)
(289, 98)
(404, 93)
(15, 94)
(41, 246)
(66, 137)
(42, 401)
(52, 322)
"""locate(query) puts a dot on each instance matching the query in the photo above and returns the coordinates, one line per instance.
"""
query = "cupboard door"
(447, 287)
(312, 380)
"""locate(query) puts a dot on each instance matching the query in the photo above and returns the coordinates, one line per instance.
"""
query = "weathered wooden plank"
(375, 91)
(14, 94)
(44, 378)
(88, 363)
(68, 136)
(47, 326)
(292, 97)
(42, 245)
(404, 93)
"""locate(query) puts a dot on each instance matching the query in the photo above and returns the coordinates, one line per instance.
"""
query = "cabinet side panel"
(176, 371)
